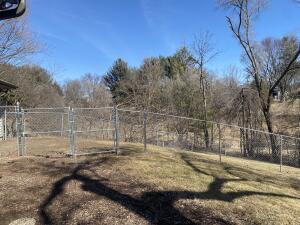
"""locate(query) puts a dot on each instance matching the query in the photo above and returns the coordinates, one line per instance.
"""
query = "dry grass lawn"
(162, 186)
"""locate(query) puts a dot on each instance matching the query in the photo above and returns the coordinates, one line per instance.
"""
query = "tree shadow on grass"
(157, 207)
(246, 174)
(214, 191)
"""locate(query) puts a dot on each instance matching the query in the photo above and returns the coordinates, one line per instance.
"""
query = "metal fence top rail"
(8, 106)
(93, 108)
(43, 112)
(28, 110)
(46, 108)
(133, 111)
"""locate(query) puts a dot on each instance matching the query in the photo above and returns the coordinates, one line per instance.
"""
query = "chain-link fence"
(209, 137)
(46, 131)
(55, 132)
(8, 131)
(92, 131)
(81, 131)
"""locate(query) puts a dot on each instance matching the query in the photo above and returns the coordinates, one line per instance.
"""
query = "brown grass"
(286, 117)
(162, 186)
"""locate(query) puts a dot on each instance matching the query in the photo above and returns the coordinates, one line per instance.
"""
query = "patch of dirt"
(92, 191)
(23, 221)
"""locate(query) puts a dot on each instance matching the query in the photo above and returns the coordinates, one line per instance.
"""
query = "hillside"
(287, 117)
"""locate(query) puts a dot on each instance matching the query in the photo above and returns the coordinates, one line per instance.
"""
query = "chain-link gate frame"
(93, 124)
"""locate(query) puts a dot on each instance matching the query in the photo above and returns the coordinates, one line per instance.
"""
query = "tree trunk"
(206, 135)
(299, 155)
(245, 140)
(298, 147)
(272, 137)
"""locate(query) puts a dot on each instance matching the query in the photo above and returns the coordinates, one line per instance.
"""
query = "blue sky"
(88, 37)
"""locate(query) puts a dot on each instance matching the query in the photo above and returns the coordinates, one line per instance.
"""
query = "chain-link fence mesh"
(291, 151)
(210, 137)
(130, 126)
(46, 131)
(93, 131)
(80, 131)
(8, 131)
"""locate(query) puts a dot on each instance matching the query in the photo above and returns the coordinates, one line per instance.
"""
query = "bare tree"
(273, 56)
(16, 42)
(74, 93)
(95, 93)
(244, 12)
(142, 86)
(204, 52)
(36, 86)
(88, 91)
(246, 112)
(224, 91)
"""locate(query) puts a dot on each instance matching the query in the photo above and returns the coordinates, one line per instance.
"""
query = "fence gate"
(58, 132)
(45, 131)
(92, 130)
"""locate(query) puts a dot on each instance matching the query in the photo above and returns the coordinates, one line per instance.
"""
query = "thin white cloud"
(154, 20)
(91, 20)
(147, 12)
(151, 11)
(53, 36)
(97, 45)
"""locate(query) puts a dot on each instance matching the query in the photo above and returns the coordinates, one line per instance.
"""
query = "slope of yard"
(162, 186)
(287, 117)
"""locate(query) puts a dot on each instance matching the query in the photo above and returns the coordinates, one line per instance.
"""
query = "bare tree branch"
(287, 69)
(16, 41)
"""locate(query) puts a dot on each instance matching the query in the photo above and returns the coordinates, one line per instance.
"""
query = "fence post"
(157, 143)
(145, 131)
(220, 150)
(23, 132)
(116, 128)
(281, 152)
(5, 124)
(174, 140)
(212, 137)
(62, 124)
(19, 129)
(72, 132)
